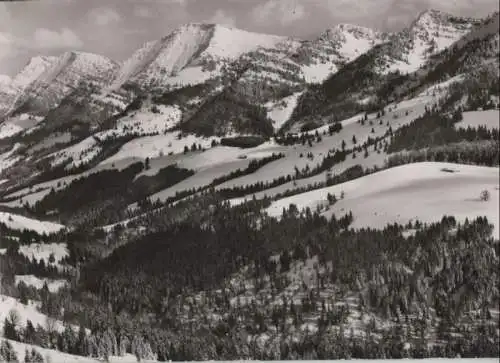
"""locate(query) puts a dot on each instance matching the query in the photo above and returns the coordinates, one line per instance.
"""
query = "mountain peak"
(339, 32)
(432, 17)
(33, 69)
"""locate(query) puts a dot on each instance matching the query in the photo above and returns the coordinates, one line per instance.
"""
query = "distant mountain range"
(196, 53)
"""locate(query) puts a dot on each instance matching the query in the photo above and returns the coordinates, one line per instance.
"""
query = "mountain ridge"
(196, 53)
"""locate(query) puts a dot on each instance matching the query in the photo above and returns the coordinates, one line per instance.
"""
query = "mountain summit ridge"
(197, 52)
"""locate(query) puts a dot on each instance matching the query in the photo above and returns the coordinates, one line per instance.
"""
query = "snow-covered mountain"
(259, 68)
(12, 89)
(334, 48)
(200, 47)
(432, 32)
(65, 74)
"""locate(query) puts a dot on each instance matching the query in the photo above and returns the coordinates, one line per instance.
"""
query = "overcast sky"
(116, 28)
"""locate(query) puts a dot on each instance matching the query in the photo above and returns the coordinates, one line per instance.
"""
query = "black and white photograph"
(249, 180)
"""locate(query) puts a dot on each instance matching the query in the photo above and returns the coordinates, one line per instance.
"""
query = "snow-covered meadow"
(43, 251)
(424, 191)
(18, 222)
(489, 119)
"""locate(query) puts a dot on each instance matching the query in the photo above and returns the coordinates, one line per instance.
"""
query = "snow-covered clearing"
(279, 112)
(158, 146)
(8, 129)
(80, 153)
(16, 124)
(14, 221)
(191, 76)
(25, 312)
(36, 282)
(7, 159)
(54, 356)
(24, 196)
(42, 251)
(317, 73)
(441, 87)
(490, 119)
(420, 191)
(201, 179)
(149, 120)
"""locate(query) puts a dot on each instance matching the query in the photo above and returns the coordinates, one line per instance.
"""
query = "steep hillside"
(203, 48)
(11, 91)
(334, 48)
(66, 74)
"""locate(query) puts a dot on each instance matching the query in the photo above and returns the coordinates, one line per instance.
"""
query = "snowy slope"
(335, 47)
(145, 121)
(432, 32)
(67, 73)
(350, 41)
(420, 191)
(14, 221)
(279, 112)
(25, 312)
(34, 69)
(490, 119)
(9, 158)
(11, 90)
(54, 356)
(157, 146)
(190, 45)
(43, 251)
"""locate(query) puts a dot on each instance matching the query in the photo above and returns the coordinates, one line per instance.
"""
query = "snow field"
(14, 221)
(54, 356)
(145, 121)
(490, 119)
(158, 146)
(420, 191)
(25, 312)
(279, 112)
(350, 126)
(42, 251)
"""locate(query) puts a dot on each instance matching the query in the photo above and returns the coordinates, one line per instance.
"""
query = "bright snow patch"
(8, 159)
(317, 73)
(490, 119)
(80, 153)
(146, 121)
(25, 312)
(157, 146)
(279, 112)
(14, 221)
(36, 282)
(416, 191)
(43, 251)
(54, 356)
(8, 129)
